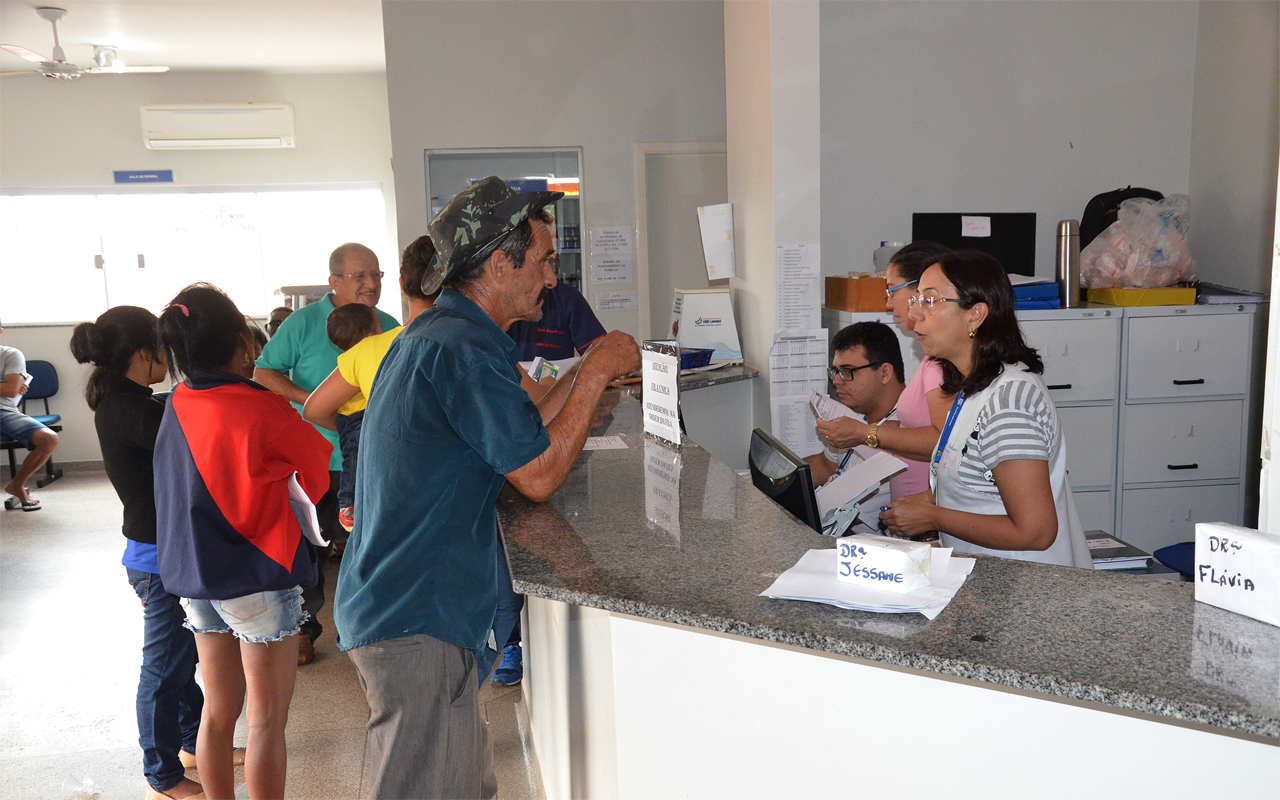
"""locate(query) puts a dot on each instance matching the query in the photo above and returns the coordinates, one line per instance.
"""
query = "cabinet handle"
(1058, 386)
(1184, 466)
(1188, 383)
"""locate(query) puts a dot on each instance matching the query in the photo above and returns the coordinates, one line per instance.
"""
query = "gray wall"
(601, 75)
(977, 106)
(1235, 142)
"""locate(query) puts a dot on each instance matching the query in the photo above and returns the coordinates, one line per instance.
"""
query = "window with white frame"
(66, 258)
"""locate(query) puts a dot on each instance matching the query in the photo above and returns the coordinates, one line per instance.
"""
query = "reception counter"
(655, 669)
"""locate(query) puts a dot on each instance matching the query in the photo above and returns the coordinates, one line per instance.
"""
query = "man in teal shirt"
(296, 360)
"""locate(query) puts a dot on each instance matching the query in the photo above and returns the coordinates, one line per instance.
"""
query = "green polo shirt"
(301, 349)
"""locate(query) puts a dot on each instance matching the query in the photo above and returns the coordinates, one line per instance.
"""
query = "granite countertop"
(634, 531)
(729, 374)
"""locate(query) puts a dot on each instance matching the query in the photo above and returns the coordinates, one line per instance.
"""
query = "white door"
(675, 185)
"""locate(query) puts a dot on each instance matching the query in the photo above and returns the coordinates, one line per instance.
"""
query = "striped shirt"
(1017, 422)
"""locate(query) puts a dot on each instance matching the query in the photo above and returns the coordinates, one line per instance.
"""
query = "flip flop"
(15, 503)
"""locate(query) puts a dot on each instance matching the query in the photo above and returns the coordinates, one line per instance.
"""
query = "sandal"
(16, 503)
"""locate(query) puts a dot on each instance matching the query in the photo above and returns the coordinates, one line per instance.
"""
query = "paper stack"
(813, 579)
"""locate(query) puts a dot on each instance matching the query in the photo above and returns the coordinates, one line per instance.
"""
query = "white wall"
(976, 106)
(1235, 142)
(72, 135)
(601, 75)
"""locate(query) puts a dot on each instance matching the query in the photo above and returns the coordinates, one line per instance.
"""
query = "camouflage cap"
(475, 219)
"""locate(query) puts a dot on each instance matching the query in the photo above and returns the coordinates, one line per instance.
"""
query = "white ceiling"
(260, 35)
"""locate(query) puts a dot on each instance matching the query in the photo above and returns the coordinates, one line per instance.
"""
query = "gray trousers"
(427, 736)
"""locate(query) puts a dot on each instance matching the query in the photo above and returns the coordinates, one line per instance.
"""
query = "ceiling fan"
(58, 68)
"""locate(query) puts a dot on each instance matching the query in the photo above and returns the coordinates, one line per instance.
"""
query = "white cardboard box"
(703, 318)
(1238, 569)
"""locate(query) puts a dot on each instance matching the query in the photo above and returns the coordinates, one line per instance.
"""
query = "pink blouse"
(913, 412)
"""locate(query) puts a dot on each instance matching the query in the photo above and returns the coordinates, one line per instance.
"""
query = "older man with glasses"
(296, 360)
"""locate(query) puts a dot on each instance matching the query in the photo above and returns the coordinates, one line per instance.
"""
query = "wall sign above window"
(144, 176)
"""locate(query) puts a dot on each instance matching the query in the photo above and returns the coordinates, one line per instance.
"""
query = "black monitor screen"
(1012, 238)
(783, 476)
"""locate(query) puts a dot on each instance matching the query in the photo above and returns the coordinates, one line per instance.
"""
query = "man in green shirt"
(296, 360)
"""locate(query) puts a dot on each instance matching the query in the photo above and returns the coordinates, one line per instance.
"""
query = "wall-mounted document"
(610, 269)
(716, 225)
(626, 300)
(612, 240)
(799, 277)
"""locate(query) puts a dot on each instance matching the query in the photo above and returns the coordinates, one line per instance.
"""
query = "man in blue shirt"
(447, 423)
(567, 328)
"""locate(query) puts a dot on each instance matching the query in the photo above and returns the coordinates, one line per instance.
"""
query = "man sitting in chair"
(16, 425)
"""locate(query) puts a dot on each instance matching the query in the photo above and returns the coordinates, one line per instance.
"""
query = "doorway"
(672, 180)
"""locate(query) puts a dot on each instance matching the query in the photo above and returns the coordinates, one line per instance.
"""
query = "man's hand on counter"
(613, 355)
(843, 431)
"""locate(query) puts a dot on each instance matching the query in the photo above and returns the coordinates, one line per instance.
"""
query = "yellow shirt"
(359, 365)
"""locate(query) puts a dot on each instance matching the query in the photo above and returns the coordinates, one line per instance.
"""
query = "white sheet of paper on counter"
(605, 443)
(813, 579)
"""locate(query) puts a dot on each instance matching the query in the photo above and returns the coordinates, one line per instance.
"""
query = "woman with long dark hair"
(998, 471)
(227, 455)
(124, 348)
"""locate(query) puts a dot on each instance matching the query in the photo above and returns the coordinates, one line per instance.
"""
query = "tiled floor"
(70, 636)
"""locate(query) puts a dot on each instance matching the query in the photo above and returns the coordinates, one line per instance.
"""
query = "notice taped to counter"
(1238, 569)
(660, 377)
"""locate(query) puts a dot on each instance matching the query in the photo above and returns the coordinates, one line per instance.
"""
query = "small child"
(347, 325)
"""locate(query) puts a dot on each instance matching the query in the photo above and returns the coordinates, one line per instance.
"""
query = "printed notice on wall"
(799, 277)
(610, 269)
(611, 240)
(626, 300)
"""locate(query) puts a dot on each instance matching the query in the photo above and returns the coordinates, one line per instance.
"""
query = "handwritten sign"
(660, 377)
(894, 565)
(978, 227)
(1238, 569)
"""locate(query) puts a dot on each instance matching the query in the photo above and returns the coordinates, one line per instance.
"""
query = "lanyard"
(954, 413)
(849, 452)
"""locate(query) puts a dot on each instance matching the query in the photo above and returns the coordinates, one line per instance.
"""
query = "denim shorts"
(17, 425)
(259, 617)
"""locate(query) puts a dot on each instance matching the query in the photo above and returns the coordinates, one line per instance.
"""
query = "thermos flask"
(1069, 263)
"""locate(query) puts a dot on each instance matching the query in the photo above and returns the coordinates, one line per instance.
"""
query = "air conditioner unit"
(226, 126)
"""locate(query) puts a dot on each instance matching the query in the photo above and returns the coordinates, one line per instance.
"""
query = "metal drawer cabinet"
(1095, 510)
(1182, 441)
(1089, 434)
(1080, 356)
(1155, 518)
(1189, 356)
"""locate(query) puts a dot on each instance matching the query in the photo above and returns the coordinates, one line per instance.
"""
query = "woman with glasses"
(921, 407)
(998, 472)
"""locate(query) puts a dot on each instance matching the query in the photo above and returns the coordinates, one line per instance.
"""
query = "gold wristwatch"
(872, 439)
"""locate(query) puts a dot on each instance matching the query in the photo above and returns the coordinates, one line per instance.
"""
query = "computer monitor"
(783, 476)
(1010, 239)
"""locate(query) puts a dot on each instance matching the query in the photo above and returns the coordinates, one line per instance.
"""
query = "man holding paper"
(866, 370)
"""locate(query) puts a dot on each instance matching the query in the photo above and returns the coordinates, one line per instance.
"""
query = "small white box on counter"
(1238, 569)
(895, 565)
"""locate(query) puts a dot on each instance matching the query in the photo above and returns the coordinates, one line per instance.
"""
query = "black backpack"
(1102, 209)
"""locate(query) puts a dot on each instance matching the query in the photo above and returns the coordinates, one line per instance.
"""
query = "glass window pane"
(301, 229)
(47, 249)
(183, 238)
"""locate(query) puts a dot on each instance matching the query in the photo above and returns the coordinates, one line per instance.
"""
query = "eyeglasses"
(360, 276)
(889, 291)
(927, 302)
(846, 373)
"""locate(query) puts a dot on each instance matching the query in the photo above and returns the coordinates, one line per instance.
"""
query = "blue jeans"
(506, 622)
(348, 426)
(169, 700)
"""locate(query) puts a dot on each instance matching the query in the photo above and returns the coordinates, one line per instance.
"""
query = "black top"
(128, 419)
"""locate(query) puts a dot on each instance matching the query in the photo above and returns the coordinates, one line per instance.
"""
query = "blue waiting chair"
(44, 384)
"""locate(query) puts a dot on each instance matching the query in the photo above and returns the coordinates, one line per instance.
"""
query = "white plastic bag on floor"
(1145, 247)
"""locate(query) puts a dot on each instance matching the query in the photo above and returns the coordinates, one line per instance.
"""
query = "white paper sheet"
(716, 225)
(611, 240)
(626, 300)
(799, 278)
(606, 443)
(611, 269)
(798, 363)
(857, 482)
(793, 425)
(813, 579)
(829, 409)
(305, 511)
